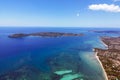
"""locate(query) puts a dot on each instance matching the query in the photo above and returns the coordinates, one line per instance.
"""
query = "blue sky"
(60, 13)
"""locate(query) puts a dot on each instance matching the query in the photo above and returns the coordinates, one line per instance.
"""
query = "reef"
(63, 66)
(110, 57)
(44, 34)
(67, 66)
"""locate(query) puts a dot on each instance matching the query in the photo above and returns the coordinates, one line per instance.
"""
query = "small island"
(110, 57)
(44, 34)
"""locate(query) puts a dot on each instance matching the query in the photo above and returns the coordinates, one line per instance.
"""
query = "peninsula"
(110, 57)
(44, 34)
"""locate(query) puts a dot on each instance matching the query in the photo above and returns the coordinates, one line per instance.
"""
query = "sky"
(60, 13)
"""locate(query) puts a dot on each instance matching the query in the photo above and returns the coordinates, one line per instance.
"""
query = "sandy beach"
(100, 61)
(101, 66)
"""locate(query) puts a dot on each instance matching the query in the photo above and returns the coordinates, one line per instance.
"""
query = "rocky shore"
(110, 57)
(44, 34)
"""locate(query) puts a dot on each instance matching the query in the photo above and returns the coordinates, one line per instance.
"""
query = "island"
(44, 34)
(110, 57)
(105, 31)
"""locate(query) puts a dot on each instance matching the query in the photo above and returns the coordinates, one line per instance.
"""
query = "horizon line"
(63, 26)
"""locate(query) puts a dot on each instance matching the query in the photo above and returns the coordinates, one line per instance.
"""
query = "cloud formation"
(105, 7)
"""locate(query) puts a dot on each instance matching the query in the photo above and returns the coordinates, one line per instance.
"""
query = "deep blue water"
(35, 51)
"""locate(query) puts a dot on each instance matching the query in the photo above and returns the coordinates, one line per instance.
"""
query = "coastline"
(105, 74)
(106, 46)
(97, 57)
(110, 57)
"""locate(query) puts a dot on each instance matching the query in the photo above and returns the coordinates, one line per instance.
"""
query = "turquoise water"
(47, 55)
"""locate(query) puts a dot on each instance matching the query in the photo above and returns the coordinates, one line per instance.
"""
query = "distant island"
(105, 31)
(110, 57)
(44, 34)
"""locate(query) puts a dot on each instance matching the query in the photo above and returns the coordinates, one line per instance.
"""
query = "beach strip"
(105, 74)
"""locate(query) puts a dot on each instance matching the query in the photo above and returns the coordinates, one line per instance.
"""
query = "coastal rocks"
(44, 34)
(110, 57)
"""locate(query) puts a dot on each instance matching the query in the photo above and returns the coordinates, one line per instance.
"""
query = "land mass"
(110, 57)
(44, 34)
(100, 31)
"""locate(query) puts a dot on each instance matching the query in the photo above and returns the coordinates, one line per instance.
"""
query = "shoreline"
(97, 57)
(105, 74)
(109, 58)
(106, 46)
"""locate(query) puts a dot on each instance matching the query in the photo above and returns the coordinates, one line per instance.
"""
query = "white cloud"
(105, 7)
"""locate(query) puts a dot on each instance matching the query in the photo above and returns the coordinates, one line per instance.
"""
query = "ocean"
(43, 56)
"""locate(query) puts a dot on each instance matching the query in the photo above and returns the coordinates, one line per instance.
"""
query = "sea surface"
(48, 54)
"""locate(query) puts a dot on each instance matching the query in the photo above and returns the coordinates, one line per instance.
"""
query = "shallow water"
(40, 52)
